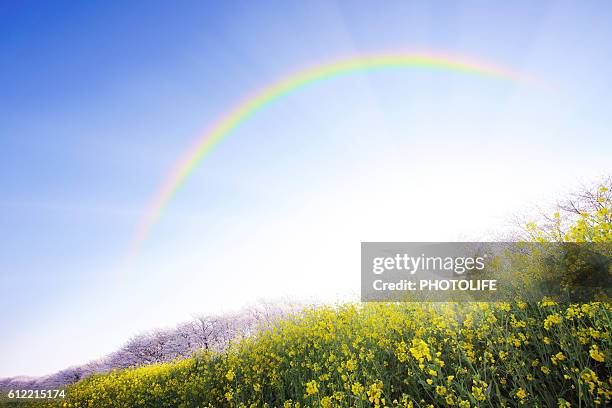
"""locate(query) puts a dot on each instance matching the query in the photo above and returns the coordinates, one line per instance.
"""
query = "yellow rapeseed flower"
(312, 387)
(521, 394)
(552, 320)
(440, 390)
(596, 354)
(357, 388)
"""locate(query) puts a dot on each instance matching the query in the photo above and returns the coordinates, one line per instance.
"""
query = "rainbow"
(224, 126)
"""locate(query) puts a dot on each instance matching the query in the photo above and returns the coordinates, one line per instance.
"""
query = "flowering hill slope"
(213, 333)
(375, 355)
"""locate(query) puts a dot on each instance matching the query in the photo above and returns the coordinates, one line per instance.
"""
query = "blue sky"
(98, 100)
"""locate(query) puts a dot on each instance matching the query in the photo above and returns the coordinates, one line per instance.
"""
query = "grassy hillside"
(376, 355)
(404, 354)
